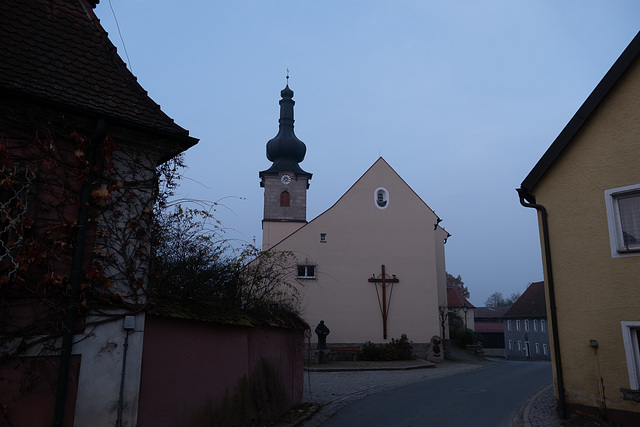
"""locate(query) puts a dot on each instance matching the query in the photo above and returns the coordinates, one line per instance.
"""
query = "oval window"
(381, 196)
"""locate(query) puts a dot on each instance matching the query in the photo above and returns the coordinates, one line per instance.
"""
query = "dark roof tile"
(456, 300)
(56, 50)
(532, 303)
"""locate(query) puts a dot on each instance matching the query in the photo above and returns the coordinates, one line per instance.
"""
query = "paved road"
(484, 397)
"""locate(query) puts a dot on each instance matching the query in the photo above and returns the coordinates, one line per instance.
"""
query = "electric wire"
(121, 38)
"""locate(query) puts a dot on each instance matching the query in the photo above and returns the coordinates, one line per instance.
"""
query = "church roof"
(285, 150)
(56, 53)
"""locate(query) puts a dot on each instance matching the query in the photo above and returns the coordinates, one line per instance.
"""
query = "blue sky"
(460, 97)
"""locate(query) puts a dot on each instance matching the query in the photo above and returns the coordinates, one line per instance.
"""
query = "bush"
(403, 347)
(400, 349)
(370, 351)
(463, 337)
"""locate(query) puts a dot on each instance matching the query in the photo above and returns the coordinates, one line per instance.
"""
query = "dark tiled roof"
(531, 303)
(56, 52)
(490, 312)
(456, 300)
(489, 327)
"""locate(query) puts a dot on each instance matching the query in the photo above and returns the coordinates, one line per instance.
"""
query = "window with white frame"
(631, 339)
(537, 348)
(623, 220)
(519, 345)
(544, 349)
(306, 271)
(535, 325)
(510, 344)
(526, 324)
(508, 325)
(517, 325)
(542, 326)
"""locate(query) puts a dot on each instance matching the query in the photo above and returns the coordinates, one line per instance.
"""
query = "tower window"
(323, 237)
(285, 199)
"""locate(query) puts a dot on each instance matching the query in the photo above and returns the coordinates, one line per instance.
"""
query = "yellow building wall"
(594, 292)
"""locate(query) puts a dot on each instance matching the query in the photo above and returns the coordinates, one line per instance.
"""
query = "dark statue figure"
(322, 331)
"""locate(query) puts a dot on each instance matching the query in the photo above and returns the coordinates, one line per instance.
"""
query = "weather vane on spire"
(287, 77)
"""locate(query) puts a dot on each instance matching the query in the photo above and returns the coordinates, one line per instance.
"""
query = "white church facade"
(373, 264)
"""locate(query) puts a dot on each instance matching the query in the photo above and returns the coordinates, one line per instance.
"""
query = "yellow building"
(586, 189)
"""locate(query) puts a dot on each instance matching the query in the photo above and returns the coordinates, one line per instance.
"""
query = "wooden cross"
(384, 280)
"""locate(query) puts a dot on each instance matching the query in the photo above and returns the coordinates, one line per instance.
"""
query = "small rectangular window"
(526, 324)
(542, 325)
(537, 348)
(508, 325)
(306, 271)
(535, 325)
(510, 344)
(519, 345)
(517, 325)
(544, 349)
(323, 237)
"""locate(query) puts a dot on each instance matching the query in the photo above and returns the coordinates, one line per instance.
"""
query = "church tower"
(285, 183)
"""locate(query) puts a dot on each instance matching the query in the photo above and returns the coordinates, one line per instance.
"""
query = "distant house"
(526, 331)
(586, 189)
(488, 324)
(459, 305)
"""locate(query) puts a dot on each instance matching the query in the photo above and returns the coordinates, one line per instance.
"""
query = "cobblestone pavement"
(539, 411)
(334, 390)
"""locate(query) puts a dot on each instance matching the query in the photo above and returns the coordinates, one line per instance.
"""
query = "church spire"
(285, 150)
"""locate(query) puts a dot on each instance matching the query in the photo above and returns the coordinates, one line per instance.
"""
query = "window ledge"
(628, 251)
(628, 394)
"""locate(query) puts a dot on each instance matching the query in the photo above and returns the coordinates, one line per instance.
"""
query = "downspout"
(528, 201)
(75, 279)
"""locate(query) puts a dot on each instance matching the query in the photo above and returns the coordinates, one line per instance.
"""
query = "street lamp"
(465, 308)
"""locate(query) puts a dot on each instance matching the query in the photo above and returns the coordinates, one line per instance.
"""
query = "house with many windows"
(586, 190)
(526, 334)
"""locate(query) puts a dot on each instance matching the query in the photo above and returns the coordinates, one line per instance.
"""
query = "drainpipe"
(529, 201)
(75, 279)
(129, 325)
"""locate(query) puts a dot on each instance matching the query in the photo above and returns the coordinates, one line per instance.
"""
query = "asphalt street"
(483, 397)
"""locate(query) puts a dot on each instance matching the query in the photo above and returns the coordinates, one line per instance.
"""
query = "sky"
(461, 98)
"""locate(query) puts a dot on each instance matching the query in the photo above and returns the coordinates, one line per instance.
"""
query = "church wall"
(359, 239)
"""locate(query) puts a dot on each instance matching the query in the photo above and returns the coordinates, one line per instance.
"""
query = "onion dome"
(285, 150)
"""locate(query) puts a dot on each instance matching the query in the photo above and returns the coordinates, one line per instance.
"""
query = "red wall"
(186, 364)
(28, 390)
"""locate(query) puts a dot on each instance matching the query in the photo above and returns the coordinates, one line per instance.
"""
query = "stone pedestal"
(321, 356)
(436, 350)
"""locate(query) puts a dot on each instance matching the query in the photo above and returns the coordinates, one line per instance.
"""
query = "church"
(372, 266)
